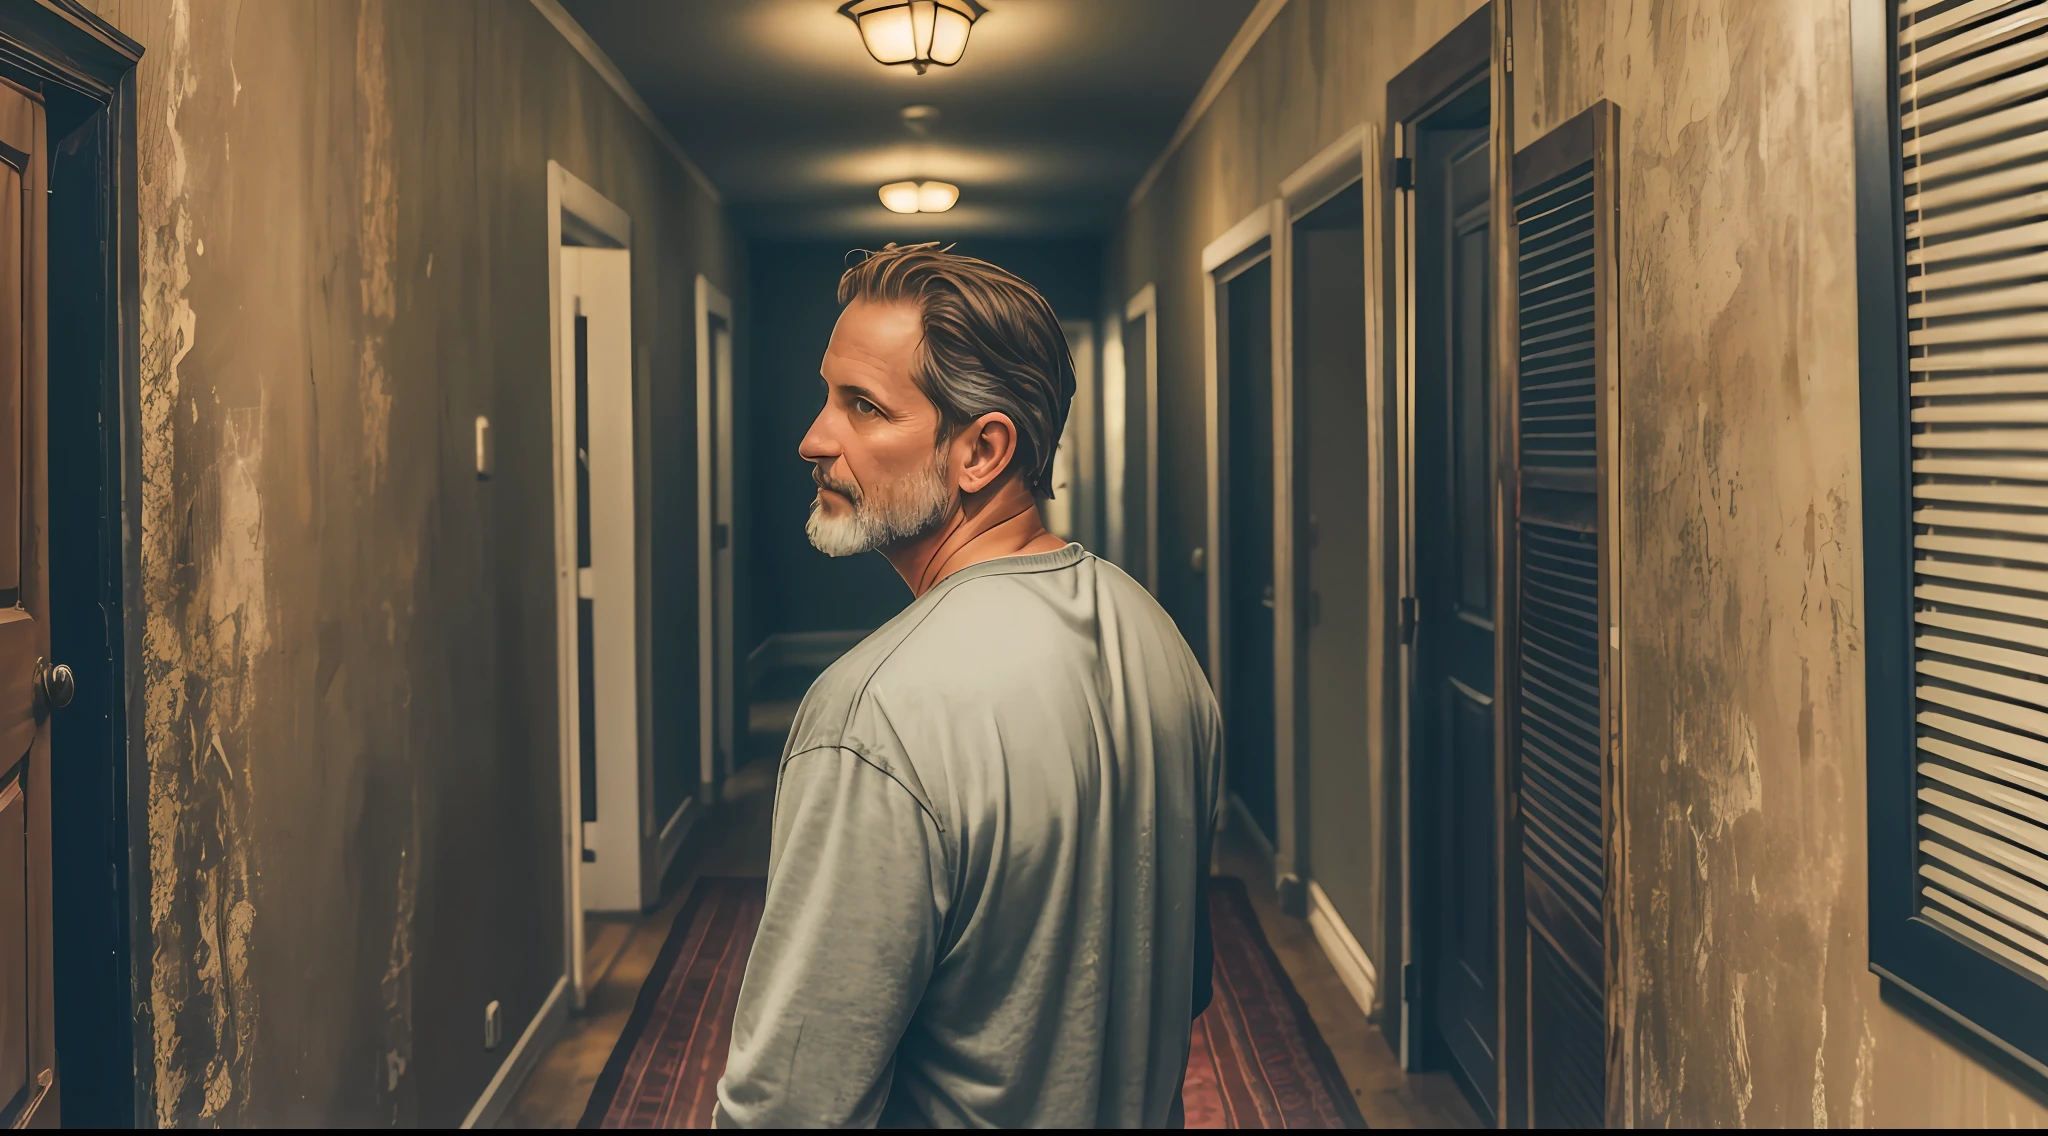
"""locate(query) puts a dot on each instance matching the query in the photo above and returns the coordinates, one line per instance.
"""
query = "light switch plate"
(494, 1025)
(485, 459)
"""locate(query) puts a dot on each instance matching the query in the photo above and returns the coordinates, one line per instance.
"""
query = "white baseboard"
(800, 648)
(672, 835)
(534, 1041)
(1346, 956)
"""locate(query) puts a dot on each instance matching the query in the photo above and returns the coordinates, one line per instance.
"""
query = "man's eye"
(863, 406)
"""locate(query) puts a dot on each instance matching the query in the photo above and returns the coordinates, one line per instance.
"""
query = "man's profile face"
(882, 476)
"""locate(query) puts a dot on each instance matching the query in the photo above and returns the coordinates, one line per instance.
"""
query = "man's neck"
(1001, 521)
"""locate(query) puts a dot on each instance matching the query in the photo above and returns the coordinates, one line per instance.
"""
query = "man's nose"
(818, 446)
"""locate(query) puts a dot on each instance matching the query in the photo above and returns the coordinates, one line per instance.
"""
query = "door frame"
(1242, 245)
(84, 60)
(1069, 516)
(571, 202)
(713, 437)
(1352, 159)
(1510, 923)
(1145, 302)
(1478, 49)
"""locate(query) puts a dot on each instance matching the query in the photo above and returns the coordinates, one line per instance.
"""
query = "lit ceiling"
(1046, 125)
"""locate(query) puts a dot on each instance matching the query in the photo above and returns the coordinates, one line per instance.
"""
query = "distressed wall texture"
(350, 799)
(1747, 998)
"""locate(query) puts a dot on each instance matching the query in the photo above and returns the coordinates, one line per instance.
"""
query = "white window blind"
(1973, 120)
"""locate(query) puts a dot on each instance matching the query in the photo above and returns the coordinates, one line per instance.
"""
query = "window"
(1952, 250)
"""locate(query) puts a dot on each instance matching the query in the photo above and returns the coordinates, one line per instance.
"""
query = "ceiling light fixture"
(917, 32)
(920, 197)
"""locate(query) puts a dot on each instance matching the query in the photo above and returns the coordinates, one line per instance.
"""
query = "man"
(992, 820)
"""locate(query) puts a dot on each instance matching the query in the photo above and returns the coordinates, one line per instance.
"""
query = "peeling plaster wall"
(1747, 997)
(351, 792)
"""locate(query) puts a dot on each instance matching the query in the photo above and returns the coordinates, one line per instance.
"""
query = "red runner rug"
(1256, 1060)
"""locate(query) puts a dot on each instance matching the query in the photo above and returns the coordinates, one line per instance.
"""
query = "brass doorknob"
(57, 684)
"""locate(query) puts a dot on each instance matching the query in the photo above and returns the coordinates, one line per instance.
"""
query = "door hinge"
(1411, 984)
(1408, 620)
(1404, 173)
(1508, 55)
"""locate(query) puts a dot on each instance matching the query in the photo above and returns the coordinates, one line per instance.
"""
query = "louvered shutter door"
(1559, 740)
(1973, 136)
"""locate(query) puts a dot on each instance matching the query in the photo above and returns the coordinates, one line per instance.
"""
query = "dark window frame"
(1991, 999)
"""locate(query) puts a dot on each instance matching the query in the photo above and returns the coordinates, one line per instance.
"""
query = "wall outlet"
(494, 1025)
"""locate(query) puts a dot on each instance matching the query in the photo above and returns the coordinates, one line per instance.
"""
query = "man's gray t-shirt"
(991, 836)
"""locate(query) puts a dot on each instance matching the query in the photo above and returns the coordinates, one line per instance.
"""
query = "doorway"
(1068, 514)
(28, 1062)
(606, 794)
(718, 697)
(1330, 610)
(1455, 875)
(1130, 425)
(68, 286)
(1244, 351)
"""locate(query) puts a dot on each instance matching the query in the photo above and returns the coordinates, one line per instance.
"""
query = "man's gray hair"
(992, 345)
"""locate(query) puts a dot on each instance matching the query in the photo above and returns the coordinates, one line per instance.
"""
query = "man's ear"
(990, 442)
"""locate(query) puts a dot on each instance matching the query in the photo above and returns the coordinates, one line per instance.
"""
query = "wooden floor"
(1387, 1097)
(733, 841)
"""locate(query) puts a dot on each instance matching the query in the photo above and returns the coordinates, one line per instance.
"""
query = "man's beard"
(913, 507)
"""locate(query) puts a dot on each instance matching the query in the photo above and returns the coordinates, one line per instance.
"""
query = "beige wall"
(1746, 997)
(350, 801)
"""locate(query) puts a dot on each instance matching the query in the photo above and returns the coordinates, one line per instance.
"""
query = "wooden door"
(1455, 584)
(27, 1003)
(1246, 357)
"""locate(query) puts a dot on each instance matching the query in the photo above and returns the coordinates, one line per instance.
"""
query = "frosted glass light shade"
(901, 196)
(917, 32)
(920, 197)
(949, 36)
(889, 35)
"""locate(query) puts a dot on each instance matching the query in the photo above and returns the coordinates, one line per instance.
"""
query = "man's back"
(991, 831)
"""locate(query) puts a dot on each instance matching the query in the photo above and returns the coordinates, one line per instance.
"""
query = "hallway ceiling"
(1046, 125)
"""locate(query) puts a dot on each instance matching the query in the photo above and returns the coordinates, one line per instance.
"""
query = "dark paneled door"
(1455, 584)
(1247, 427)
(27, 1003)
